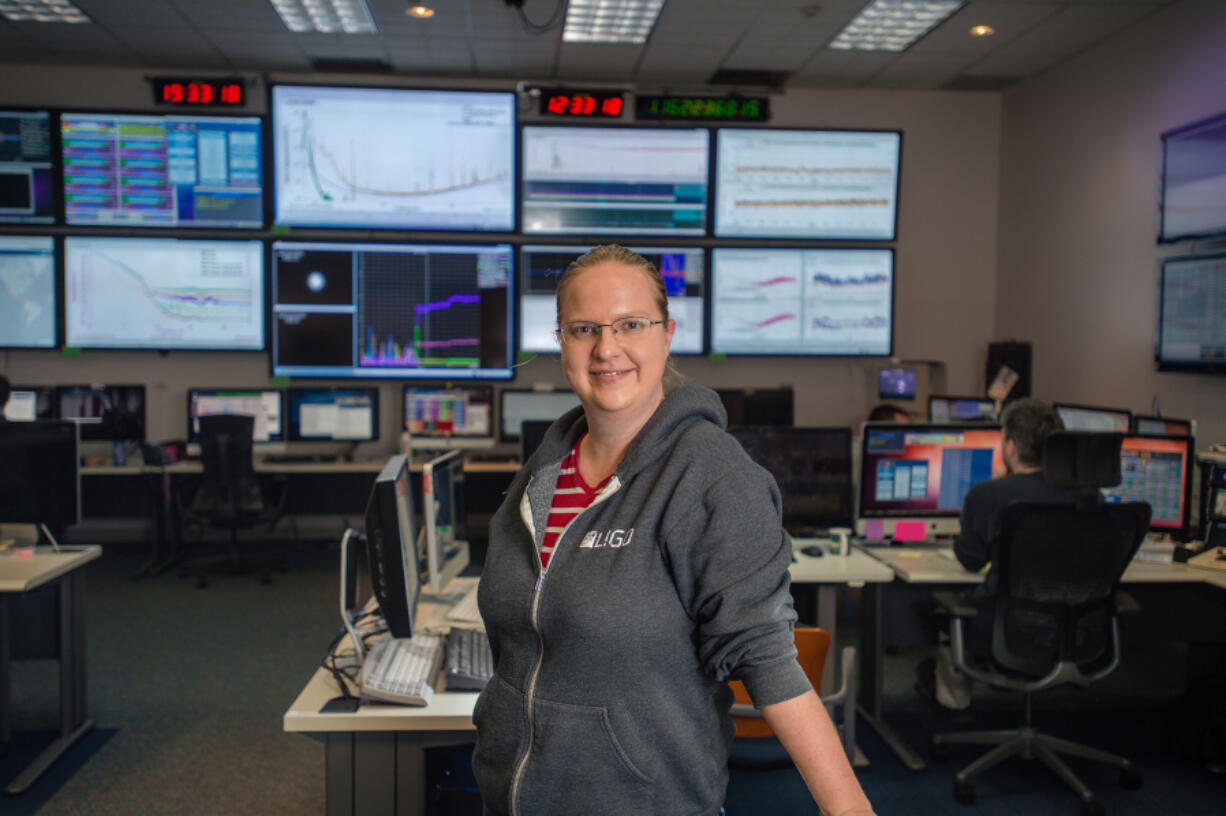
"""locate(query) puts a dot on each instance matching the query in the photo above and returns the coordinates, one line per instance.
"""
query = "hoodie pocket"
(501, 727)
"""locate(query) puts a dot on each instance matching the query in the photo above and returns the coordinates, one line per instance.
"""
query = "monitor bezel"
(844, 432)
(288, 423)
(194, 437)
(57, 292)
(1163, 139)
(1191, 367)
(1056, 406)
(404, 573)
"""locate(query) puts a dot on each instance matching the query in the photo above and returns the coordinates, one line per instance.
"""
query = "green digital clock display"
(703, 108)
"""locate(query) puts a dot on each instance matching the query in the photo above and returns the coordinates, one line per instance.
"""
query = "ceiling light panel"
(892, 25)
(610, 21)
(325, 16)
(42, 11)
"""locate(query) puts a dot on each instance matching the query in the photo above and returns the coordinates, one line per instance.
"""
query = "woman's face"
(613, 375)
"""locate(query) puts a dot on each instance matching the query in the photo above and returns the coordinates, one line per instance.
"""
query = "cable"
(538, 28)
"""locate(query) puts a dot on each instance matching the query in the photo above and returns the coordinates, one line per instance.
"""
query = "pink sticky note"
(874, 529)
(910, 531)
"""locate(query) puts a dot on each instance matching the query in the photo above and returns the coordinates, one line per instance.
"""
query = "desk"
(19, 575)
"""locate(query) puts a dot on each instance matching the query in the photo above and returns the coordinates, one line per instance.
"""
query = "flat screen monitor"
(163, 293)
(920, 474)
(961, 409)
(812, 467)
(516, 406)
(393, 311)
(333, 414)
(1157, 470)
(444, 417)
(442, 487)
(896, 383)
(26, 186)
(391, 547)
(39, 482)
(1191, 332)
(1091, 418)
(266, 405)
(824, 302)
(614, 181)
(162, 171)
(30, 402)
(758, 406)
(682, 268)
(391, 158)
(1160, 425)
(27, 291)
(531, 434)
(104, 412)
(811, 184)
(1193, 195)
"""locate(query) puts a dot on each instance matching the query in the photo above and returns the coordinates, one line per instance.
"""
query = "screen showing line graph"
(163, 293)
(405, 311)
(802, 301)
(817, 184)
(615, 181)
(390, 158)
(27, 291)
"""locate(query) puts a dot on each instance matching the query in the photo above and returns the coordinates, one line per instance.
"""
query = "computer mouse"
(813, 551)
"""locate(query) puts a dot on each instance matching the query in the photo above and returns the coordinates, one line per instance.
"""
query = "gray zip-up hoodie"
(609, 694)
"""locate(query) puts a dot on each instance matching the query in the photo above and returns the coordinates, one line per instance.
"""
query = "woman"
(636, 566)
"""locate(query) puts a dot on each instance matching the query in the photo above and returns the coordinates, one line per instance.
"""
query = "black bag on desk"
(1198, 725)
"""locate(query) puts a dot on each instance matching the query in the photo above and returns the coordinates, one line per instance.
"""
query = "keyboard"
(470, 664)
(402, 670)
(465, 610)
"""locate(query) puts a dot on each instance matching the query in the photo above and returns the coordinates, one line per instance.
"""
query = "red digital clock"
(582, 104)
(198, 92)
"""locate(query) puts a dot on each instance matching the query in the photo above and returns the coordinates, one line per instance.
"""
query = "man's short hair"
(885, 412)
(1028, 422)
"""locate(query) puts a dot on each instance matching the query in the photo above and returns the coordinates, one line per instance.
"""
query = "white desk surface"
(856, 568)
(21, 573)
(448, 711)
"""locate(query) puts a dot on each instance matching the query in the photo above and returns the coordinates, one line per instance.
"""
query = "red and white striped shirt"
(571, 496)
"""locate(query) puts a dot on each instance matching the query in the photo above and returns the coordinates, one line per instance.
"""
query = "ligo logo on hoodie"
(615, 539)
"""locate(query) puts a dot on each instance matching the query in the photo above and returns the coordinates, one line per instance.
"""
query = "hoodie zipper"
(612, 487)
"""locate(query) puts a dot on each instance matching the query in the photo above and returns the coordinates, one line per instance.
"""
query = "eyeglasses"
(586, 333)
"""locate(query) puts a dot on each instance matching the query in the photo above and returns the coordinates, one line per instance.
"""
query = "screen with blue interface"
(264, 405)
(26, 185)
(27, 291)
(925, 470)
(333, 414)
(1192, 313)
(400, 311)
(614, 181)
(802, 301)
(814, 184)
(163, 293)
(682, 268)
(391, 158)
(1158, 470)
(1193, 202)
(162, 171)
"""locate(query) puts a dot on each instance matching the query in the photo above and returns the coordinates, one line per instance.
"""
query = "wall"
(1078, 213)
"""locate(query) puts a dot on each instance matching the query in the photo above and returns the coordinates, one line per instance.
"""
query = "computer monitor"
(1191, 331)
(1091, 418)
(1192, 201)
(104, 412)
(28, 305)
(162, 170)
(682, 268)
(614, 180)
(944, 408)
(391, 546)
(163, 293)
(27, 194)
(1157, 470)
(392, 311)
(812, 467)
(757, 406)
(812, 302)
(394, 158)
(913, 478)
(333, 414)
(442, 489)
(1161, 426)
(811, 184)
(266, 405)
(39, 480)
(897, 383)
(30, 402)
(442, 417)
(516, 406)
(531, 435)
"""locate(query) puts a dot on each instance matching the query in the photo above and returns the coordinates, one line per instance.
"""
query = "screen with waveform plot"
(162, 171)
(826, 302)
(614, 181)
(26, 187)
(1191, 333)
(27, 291)
(685, 281)
(814, 184)
(163, 293)
(401, 311)
(392, 158)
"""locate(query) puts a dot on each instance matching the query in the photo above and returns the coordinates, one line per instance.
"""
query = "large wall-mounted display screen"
(837, 302)
(1193, 202)
(163, 293)
(1191, 331)
(811, 184)
(400, 311)
(614, 181)
(26, 188)
(389, 158)
(27, 291)
(162, 171)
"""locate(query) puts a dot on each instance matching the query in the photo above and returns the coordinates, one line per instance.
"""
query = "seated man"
(888, 412)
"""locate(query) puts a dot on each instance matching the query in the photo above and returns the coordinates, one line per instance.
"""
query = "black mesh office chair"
(1056, 609)
(229, 496)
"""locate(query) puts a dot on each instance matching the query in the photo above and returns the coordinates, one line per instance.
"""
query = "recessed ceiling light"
(982, 31)
(610, 21)
(326, 16)
(420, 12)
(42, 11)
(893, 25)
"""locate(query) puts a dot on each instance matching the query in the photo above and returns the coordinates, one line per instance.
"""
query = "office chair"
(1056, 608)
(229, 495)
